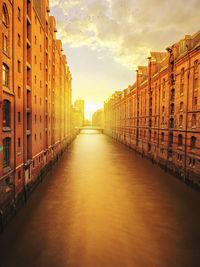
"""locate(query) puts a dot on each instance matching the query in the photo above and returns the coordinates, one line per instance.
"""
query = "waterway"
(103, 205)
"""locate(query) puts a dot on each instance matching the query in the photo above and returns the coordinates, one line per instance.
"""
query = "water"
(105, 206)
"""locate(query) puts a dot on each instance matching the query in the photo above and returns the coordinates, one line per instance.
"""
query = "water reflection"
(104, 206)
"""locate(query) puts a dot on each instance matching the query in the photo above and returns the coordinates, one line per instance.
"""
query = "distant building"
(77, 119)
(98, 118)
(79, 105)
(159, 115)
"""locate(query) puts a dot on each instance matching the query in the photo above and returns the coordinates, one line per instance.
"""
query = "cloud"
(129, 29)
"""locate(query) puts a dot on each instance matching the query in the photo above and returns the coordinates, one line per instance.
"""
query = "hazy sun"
(90, 108)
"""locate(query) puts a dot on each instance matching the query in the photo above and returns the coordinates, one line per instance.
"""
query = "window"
(35, 99)
(194, 118)
(19, 91)
(19, 144)
(6, 152)
(193, 143)
(179, 157)
(35, 79)
(155, 134)
(180, 141)
(19, 40)
(182, 81)
(19, 66)
(5, 43)
(192, 162)
(195, 99)
(181, 106)
(181, 120)
(162, 138)
(5, 15)
(163, 109)
(6, 113)
(35, 60)
(171, 139)
(19, 175)
(5, 73)
(19, 117)
(172, 108)
(19, 14)
(35, 137)
(35, 40)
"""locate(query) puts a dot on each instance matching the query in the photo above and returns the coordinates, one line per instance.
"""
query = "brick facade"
(35, 95)
(159, 115)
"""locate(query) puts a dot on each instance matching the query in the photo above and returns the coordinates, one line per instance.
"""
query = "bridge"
(90, 127)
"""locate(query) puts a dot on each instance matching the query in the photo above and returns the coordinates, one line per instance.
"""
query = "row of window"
(7, 114)
(193, 139)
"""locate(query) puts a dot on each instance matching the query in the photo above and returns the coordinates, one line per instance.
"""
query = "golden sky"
(105, 40)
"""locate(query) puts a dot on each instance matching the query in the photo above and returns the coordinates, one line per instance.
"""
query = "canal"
(103, 205)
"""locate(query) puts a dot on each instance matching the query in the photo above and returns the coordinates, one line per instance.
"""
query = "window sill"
(7, 90)
(6, 129)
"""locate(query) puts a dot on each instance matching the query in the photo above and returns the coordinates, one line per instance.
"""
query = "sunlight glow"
(90, 108)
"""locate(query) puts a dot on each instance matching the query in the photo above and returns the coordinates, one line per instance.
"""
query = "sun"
(90, 108)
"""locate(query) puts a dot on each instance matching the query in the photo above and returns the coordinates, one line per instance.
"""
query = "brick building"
(159, 115)
(35, 95)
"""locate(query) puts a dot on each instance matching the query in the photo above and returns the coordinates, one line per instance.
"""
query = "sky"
(105, 40)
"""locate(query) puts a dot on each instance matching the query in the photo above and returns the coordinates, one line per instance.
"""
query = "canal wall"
(187, 176)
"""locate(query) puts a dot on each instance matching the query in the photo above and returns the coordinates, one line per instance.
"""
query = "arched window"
(193, 142)
(180, 140)
(6, 113)
(5, 15)
(6, 152)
